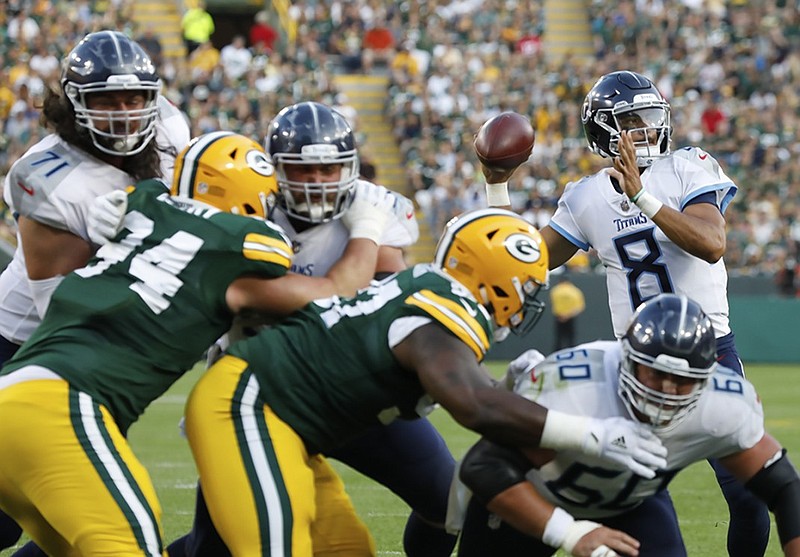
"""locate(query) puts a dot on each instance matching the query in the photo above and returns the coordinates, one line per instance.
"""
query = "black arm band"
(489, 469)
(778, 485)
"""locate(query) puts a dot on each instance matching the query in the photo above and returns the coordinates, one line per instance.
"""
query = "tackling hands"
(106, 215)
(626, 442)
(371, 209)
(576, 539)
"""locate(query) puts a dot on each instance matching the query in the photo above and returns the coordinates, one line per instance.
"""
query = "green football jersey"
(328, 370)
(128, 324)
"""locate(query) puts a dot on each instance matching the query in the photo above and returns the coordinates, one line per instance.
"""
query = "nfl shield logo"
(625, 206)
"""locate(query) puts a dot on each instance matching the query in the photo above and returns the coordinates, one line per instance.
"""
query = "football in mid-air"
(505, 141)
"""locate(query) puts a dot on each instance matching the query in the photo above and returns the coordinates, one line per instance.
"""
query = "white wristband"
(563, 431)
(555, 532)
(497, 195)
(648, 204)
(575, 532)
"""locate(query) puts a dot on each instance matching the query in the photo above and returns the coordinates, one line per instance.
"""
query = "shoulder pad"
(35, 177)
(695, 155)
(730, 407)
(456, 310)
(582, 182)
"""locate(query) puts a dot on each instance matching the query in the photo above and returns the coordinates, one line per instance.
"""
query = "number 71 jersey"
(639, 259)
(144, 310)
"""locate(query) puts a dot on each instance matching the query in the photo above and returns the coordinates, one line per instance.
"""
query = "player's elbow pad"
(489, 469)
(778, 485)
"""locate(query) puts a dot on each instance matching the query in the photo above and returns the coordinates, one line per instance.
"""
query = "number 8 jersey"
(640, 261)
(144, 310)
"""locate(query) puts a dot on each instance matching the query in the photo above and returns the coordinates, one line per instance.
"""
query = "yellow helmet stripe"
(260, 247)
(457, 318)
(185, 175)
(456, 224)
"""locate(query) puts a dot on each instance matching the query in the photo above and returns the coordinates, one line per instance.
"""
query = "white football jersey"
(54, 183)
(583, 381)
(640, 261)
(318, 248)
(172, 135)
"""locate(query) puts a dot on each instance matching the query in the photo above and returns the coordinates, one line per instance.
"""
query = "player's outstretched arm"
(279, 297)
(366, 217)
(559, 248)
(496, 477)
(767, 471)
(527, 511)
(50, 254)
(450, 373)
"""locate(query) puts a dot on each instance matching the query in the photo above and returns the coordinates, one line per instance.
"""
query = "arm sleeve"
(42, 291)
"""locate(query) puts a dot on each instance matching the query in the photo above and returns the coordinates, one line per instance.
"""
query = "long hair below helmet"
(107, 62)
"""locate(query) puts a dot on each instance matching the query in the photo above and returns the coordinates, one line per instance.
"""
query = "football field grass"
(701, 508)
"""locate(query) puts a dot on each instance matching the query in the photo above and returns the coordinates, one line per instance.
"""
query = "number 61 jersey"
(583, 380)
(144, 310)
(640, 261)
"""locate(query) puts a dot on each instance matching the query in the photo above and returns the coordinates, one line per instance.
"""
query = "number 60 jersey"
(639, 259)
(583, 380)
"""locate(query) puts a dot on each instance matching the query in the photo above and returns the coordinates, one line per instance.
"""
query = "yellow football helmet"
(228, 171)
(502, 260)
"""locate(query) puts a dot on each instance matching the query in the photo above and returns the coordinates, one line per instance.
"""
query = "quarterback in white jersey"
(656, 220)
(639, 258)
(663, 373)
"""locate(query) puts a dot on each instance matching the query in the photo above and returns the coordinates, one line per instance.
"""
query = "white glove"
(626, 442)
(619, 440)
(369, 212)
(404, 213)
(520, 367)
(106, 215)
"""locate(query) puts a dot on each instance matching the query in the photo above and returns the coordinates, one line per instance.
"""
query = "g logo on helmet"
(259, 162)
(523, 247)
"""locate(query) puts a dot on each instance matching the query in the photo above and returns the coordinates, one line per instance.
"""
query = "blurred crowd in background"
(730, 69)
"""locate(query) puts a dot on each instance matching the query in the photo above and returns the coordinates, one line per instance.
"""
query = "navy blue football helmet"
(109, 61)
(309, 133)
(669, 333)
(627, 101)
